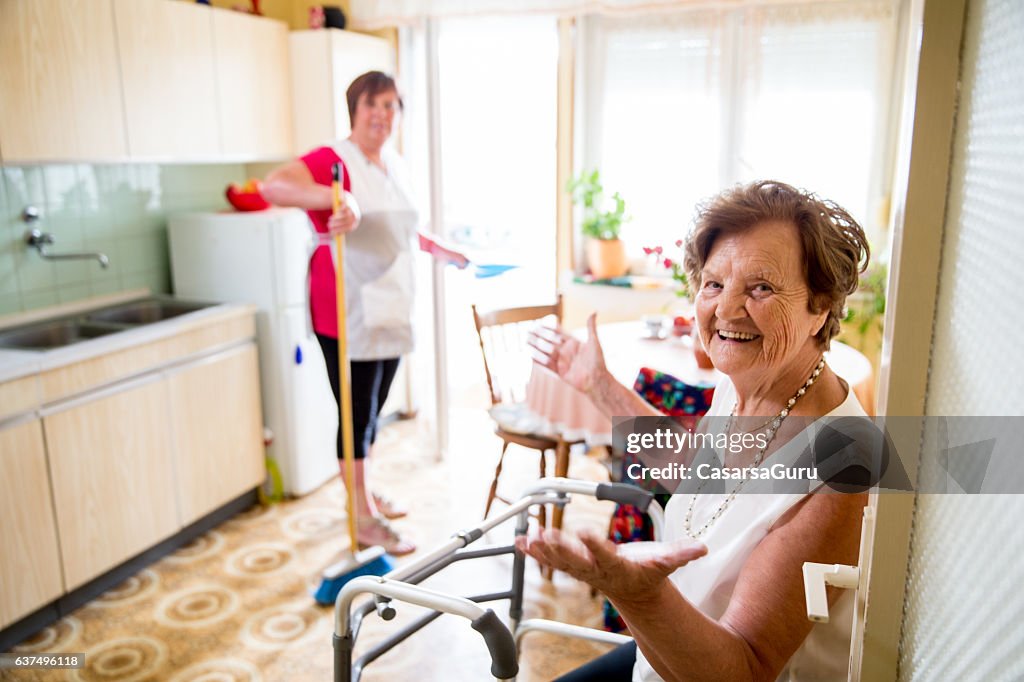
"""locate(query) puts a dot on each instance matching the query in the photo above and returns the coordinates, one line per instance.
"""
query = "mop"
(373, 560)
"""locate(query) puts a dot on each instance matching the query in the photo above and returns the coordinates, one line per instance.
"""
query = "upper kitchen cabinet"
(60, 90)
(253, 90)
(324, 63)
(170, 93)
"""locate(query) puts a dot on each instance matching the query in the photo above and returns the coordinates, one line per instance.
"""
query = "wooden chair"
(507, 363)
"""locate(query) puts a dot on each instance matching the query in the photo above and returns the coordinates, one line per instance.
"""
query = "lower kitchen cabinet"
(218, 430)
(110, 461)
(29, 558)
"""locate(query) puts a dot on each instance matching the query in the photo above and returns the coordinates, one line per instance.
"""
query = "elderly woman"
(721, 598)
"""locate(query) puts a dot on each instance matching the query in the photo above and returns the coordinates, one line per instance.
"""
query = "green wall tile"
(10, 303)
(39, 299)
(118, 209)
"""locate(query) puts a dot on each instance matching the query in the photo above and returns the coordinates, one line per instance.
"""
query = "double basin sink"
(66, 331)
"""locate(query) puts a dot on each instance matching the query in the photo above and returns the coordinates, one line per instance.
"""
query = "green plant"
(598, 223)
(871, 312)
(675, 266)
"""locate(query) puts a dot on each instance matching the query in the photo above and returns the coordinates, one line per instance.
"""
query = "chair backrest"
(503, 341)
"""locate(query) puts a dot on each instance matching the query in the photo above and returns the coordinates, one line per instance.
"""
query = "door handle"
(817, 576)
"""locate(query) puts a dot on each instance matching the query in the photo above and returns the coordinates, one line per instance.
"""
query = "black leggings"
(614, 666)
(371, 381)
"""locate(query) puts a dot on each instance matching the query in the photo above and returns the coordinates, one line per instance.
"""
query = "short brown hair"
(835, 247)
(371, 84)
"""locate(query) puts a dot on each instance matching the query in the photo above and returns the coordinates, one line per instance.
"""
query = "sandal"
(388, 508)
(378, 531)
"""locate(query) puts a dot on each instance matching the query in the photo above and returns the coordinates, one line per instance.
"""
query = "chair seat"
(534, 441)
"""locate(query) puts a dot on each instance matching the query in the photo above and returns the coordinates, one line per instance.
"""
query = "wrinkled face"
(374, 118)
(752, 304)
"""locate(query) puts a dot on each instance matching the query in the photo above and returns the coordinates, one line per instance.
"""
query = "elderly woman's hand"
(622, 572)
(345, 219)
(578, 363)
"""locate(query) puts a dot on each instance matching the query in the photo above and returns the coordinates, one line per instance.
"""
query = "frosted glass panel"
(964, 599)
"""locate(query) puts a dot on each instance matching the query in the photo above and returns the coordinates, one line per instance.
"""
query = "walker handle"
(624, 493)
(500, 643)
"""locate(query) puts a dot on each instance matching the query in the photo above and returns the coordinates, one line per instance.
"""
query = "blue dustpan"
(490, 269)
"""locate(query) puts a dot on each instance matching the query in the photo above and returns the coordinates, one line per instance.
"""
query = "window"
(676, 107)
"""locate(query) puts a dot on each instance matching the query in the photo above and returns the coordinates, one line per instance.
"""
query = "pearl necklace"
(774, 423)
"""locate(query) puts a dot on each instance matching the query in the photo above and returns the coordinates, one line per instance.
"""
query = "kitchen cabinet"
(30, 558)
(324, 63)
(170, 94)
(218, 431)
(60, 88)
(253, 89)
(110, 459)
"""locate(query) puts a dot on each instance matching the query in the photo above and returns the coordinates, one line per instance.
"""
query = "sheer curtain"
(814, 92)
(677, 106)
(655, 116)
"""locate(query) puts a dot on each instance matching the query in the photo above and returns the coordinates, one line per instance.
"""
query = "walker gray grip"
(624, 493)
(500, 643)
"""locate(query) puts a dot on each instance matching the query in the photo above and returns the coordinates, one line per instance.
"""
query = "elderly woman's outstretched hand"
(622, 572)
(578, 363)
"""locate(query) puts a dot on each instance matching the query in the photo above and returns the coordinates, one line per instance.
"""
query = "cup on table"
(654, 325)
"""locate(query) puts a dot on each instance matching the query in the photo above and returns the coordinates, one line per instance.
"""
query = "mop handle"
(344, 378)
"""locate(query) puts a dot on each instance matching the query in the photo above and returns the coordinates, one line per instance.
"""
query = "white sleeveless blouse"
(708, 582)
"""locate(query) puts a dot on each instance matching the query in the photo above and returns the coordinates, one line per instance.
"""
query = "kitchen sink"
(145, 312)
(55, 334)
(93, 324)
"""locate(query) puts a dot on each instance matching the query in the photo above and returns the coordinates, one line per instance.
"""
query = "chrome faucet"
(39, 240)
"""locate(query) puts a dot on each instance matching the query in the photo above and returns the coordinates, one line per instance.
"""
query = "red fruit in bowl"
(681, 326)
(247, 198)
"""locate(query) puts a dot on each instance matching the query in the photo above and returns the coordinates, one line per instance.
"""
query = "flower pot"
(701, 355)
(606, 258)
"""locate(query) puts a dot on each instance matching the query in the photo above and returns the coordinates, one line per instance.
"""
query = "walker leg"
(515, 608)
(342, 659)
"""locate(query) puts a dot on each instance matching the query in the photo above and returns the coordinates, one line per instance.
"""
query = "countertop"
(15, 364)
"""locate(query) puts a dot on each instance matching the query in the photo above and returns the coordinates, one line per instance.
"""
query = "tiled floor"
(235, 605)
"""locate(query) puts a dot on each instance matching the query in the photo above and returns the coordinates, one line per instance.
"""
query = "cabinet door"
(110, 459)
(170, 98)
(253, 92)
(29, 558)
(218, 430)
(60, 91)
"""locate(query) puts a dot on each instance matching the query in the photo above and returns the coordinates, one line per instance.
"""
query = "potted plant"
(606, 254)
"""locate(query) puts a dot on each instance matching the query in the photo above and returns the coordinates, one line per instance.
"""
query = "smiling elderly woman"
(721, 598)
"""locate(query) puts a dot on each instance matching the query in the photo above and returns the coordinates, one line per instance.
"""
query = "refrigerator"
(262, 258)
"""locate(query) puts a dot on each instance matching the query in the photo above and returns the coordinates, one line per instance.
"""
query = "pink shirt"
(323, 304)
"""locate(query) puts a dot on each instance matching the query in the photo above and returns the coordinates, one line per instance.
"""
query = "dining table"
(555, 409)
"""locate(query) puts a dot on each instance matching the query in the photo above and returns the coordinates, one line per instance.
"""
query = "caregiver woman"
(378, 272)
(722, 597)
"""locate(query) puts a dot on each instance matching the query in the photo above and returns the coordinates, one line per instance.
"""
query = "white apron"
(378, 257)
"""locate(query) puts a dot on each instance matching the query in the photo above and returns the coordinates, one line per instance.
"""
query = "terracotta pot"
(606, 258)
(703, 359)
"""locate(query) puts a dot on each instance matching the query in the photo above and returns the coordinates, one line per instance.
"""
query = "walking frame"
(402, 585)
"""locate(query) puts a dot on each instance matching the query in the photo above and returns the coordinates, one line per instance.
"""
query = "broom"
(373, 560)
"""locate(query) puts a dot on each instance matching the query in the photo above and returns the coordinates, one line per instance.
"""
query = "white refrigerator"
(262, 258)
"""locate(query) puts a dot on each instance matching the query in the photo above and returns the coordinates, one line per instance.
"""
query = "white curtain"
(374, 14)
(674, 107)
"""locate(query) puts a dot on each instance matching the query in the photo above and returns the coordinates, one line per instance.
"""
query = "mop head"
(371, 561)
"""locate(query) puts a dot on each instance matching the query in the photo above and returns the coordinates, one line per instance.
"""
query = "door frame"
(932, 68)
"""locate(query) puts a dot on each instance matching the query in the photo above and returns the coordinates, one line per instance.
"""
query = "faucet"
(39, 240)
